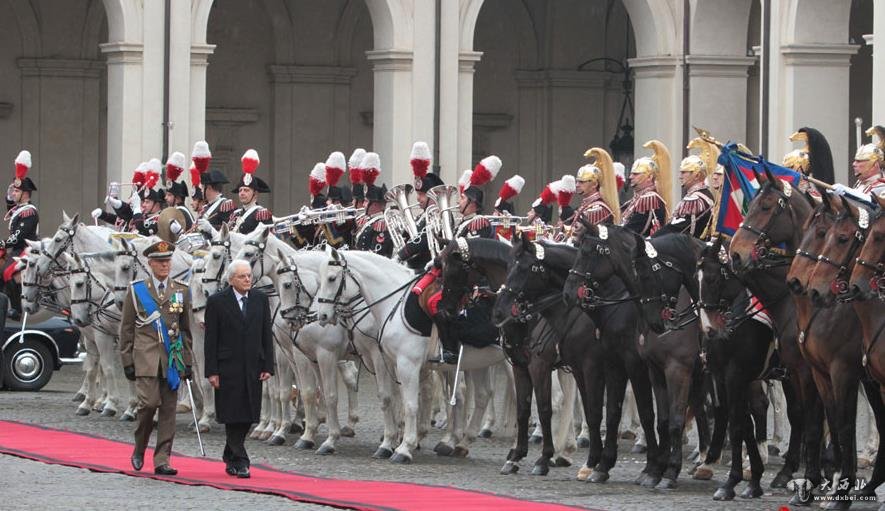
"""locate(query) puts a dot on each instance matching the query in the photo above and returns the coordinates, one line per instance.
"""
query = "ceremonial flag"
(739, 185)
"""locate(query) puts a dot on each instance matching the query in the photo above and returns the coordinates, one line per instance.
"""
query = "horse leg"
(523, 392)
(781, 422)
(754, 486)
(425, 403)
(490, 416)
(792, 405)
(111, 366)
(328, 369)
(641, 383)
(542, 380)
(736, 389)
(833, 452)
(844, 378)
(92, 371)
(480, 380)
(866, 453)
(698, 403)
(283, 395)
(446, 445)
(759, 413)
(704, 471)
(408, 372)
(564, 421)
(874, 395)
(386, 395)
(591, 385)
(307, 385)
(615, 388)
(349, 372)
(679, 380)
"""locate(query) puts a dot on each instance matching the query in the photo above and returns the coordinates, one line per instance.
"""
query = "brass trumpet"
(327, 215)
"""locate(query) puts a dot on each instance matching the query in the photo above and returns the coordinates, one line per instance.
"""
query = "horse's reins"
(765, 251)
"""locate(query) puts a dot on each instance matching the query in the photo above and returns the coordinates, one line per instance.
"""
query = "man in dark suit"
(239, 356)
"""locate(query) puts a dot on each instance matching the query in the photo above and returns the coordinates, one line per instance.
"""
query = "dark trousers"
(234, 447)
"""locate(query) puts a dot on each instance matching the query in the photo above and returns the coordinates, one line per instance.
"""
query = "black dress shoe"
(165, 470)
(230, 469)
(137, 461)
(243, 473)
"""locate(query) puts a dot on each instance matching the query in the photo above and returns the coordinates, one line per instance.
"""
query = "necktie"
(161, 289)
(243, 304)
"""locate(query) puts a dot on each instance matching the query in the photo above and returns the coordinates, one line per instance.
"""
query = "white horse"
(349, 276)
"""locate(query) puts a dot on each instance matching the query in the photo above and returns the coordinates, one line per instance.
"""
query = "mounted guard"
(648, 210)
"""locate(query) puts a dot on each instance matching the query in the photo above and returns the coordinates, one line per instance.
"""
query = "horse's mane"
(559, 255)
(488, 249)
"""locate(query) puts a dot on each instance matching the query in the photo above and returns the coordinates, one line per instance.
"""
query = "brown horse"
(829, 285)
(776, 216)
(829, 339)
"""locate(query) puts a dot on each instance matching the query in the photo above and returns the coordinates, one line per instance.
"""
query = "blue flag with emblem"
(174, 347)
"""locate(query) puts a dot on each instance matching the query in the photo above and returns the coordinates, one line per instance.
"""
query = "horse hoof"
(561, 462)
(666, 484)
(276, 440)
(535, 439)
(305, 444)
(204, 428)
(773, 450)
(400, 458)
(485, 433)
(182, 408)
(347, 432)
(863, 462)
(584, 473)
(296, 428)
(443, 449)
(325, 450)
(796, 501)
(639, 449)
(540, 469)
(724, 494)
(509, 468)
(460, 452)
(83, 411)
(703, 473)
(382, 453)
(127, 417)
(108, 412)
(78, 397)
(583, 443)
(650, 481)
(780, 480)
(753, 491)
(265, 435)
(598, 477)
(748, 474)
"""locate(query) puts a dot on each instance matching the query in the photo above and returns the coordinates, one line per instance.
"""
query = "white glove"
(428, 266)
(838, 189)
(175, 227)
(135, 203)
(9, 192)
(113, 202)
(204, 226)
(842, 190)
(96, 213)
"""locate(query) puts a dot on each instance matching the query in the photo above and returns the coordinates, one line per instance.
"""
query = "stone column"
(718, 86)
(199, 62)
(125, 108)
(61, 120)
(392, 130)
(450, 103)
(814, 92)
(466, 64)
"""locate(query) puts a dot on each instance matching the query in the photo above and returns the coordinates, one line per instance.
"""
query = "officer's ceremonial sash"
(173, 347)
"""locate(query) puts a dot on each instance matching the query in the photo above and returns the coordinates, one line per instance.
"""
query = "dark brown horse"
(671, 342)
(761, 253)
(829, 287)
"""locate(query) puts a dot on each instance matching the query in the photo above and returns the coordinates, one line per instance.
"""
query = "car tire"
(27, 365)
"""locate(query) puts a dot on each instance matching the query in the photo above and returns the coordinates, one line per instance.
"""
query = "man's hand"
(214, 381)
(113, 202)
(175, 227)
(129, 371)
(96, 213)
(263, 376)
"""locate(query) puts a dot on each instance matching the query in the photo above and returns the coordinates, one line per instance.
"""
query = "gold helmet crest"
(693, 163)
(797, 159)
(658, 166)
(602, 170)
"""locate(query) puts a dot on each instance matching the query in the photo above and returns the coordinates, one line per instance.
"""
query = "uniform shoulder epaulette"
(227, 205)
(379, 225)
(694, 203)
(181, 282)
(263, 214)
(26, 212)
(649, 201)
(598, 212)
(479, 223)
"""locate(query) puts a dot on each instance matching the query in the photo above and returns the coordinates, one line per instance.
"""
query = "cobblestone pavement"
(42, 486)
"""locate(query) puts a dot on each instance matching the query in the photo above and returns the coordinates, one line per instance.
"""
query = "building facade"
(92, 88)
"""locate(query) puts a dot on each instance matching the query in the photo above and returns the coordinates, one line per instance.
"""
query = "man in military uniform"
(371, 231)
(176, 194)
(155, 346)
(598, 186)
(693, 212)
(339, 234)
(249, 215)
(867, 166)
(218, 208)
(23, 220)
(646, 211)
(504, 205)
(416, 252)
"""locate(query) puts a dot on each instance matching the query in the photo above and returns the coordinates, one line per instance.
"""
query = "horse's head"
(868, 277)
(30, 279)
(337, 289)
(844, 238)
(125, 269)
(217, 258)
(80, 285)
(295, 300)
(199, 295)
(719, 288)
(253, 250)
(528, 278)
(458, 276)
(57, 244)
(775, 217)
(811, 244)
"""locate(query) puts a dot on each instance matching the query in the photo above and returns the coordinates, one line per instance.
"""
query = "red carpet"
(101, 455)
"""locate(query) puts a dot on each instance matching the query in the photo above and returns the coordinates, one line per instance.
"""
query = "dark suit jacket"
(238, 350)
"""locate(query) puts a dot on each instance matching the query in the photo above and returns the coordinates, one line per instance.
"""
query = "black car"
(28, 358)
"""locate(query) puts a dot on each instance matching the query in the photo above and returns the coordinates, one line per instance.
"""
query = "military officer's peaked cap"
(159, 250)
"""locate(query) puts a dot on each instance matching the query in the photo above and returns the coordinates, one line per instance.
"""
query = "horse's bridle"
(765, 256)
(71, 232)
(839, 285)
(342, 308)
(135, 267)
(218, 276)
(297, 313)
(97, 309)
(588, 296)
(522, 309)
